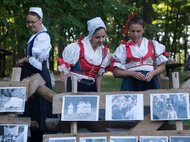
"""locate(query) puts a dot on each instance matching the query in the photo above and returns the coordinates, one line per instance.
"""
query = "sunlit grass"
(110, 83)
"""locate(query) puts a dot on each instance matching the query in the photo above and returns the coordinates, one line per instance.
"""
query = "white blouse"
(120, 55)
(41, 49)
(71, 55)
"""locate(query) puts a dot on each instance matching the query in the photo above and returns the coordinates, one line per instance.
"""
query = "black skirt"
(36, 107)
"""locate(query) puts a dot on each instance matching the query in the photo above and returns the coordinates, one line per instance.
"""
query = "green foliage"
(66, 21)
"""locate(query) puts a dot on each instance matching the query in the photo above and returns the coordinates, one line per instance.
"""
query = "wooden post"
(16, 73)
(175, 83)
(74, 90)
(64, 79)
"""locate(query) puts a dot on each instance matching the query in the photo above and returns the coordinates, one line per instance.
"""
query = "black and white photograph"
(124, 107)
(80, 108)
(92, 139)
(153, 139)
(179, 138)
(13, 133)
(123, 139)
(12, 99)
(169, 106)
(62, 139)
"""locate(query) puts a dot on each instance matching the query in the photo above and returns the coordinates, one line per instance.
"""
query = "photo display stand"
(12, 125)
(109, 129)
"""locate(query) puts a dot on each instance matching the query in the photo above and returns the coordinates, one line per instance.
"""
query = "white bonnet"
(37, 10)
(94, 24)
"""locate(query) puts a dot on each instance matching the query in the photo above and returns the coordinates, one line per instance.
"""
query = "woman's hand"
(21, 61)
(138, 76)
(149, 76)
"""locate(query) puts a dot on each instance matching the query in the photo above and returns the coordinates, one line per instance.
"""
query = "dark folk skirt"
(36, 107)
(132, 84)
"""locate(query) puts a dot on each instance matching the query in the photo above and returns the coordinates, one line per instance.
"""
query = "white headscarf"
(94, 24)
(37, 10)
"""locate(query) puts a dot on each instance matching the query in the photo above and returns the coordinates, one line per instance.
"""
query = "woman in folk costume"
(87, 58)
(134, 59)
(38, 49)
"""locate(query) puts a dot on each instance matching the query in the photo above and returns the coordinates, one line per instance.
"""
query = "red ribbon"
(127, 23)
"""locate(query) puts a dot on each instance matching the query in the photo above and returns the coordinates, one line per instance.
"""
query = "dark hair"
(136, 20)
(133, 19)
(99, 29)
(34, 14)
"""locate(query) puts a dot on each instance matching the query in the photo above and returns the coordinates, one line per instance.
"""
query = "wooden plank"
(7, 119)
(57, 99)
(147, 124)
(108, 134)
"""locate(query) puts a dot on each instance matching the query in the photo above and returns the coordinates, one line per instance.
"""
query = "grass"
(110, 84)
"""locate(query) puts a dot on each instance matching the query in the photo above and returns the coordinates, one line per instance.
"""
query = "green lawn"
(110, 83)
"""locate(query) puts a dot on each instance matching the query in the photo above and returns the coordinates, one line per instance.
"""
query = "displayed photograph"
(92, 139)
(179, 138)
(62, 139)
(169, 106)
(124, 107)
(123, 139)
(80, 108)
(153, 139)
(12, 99)
(13, 133)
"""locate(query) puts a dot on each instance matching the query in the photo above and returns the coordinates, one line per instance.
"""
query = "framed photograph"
(13, 133)
(179, 138)
(169, 106)
(153, 139)
(92, 139)
(123, 139)
(62, 139)
(12, 99)
(80, 108)
(124, 107)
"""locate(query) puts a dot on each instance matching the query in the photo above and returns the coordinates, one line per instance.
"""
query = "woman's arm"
(99, 83)
(124, 73)
(155, 72)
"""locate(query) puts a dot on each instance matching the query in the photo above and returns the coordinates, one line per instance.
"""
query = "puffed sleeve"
(70, 56)
(119, 57)
(40, 51)
(159, 50)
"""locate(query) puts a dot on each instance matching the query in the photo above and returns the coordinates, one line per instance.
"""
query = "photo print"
(12, 99)
(80, 108)
(62, 139)
(153, 139)
(92, 139)
(179, 138)
(13, 133)
(123, 139)
(124, 107)
(169, 106)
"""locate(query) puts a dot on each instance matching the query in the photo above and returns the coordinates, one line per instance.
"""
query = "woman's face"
(136, 32)
(98, 38)
(33, 23)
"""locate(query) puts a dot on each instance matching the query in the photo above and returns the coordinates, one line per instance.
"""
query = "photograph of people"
(13, 133)
(124, 107)
(123, 139)
(12, 99)
(92, 139)
(168, 106)
(80, 108)
(62, 139)
(179, 138)
(153, 139)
